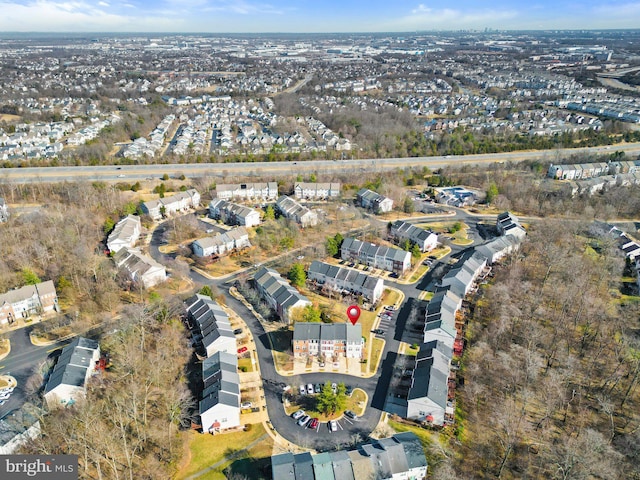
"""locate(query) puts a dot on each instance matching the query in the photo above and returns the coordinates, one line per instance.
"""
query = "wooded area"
(129, 426)
(551, 375)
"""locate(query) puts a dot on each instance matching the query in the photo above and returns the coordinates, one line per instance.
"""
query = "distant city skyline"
(304, 16)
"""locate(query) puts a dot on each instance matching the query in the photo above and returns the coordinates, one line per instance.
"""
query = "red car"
(242, 350)
(313, 423)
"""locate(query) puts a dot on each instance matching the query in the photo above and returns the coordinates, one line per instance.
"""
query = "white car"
(5, 396)
(297, 414)
(333, 426)
(310, 388)
(246, 405)
(303, 390)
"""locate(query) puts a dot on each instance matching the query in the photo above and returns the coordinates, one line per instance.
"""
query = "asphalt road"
(128, 173)
(23, 360)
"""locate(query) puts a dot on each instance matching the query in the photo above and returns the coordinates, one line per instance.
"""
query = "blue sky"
(229, 16)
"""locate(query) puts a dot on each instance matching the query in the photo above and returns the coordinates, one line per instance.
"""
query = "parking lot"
(386, 323)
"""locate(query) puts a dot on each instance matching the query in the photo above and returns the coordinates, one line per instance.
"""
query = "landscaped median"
(356, 402)
(5, 347)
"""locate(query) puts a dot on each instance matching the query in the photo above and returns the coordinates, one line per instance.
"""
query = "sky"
(312, 16)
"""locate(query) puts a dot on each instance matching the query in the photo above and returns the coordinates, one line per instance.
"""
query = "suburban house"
(220, 405)
(429, 391)
(181, 201)
(248, 191)
(345, 280)
(376, 256)
(425, 239)
(292, 209)
(4, 211)
(233, 214)
(316, 191)
(328, 340)
(374, 201)
(140, 268)
(235, 239)
(508, 224)
(125, 233)
(280, 295)
(400, 457)
(28, 300)
(209, 325)
(67, 382)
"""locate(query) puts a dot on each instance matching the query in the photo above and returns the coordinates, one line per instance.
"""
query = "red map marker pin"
(353, 312)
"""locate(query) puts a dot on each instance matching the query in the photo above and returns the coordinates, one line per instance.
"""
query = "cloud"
(103, 4)
(61, 16)
(424, 17)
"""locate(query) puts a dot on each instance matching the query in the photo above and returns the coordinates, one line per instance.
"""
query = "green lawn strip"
(378, 345)
(208, 449)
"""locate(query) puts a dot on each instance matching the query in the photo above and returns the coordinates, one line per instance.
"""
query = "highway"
(260, 170)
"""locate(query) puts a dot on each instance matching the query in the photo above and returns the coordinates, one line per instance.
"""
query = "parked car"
(318, 388)
(313, 423)
(237, 331)
(304, 420)
(303, 390)
(297, 414)
(334, 387)
(244, 405)
(5, 396)
(242, 350)
(333, 426)
(350, 414)
(310, 390)
(348, 390)
(2, 402)
(378, 331)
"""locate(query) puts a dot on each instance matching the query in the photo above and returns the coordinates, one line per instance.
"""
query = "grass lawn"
(205, 450)
(245, 362)
(426, 437)
(377, 346)
(3, 383)
(426, 296)
(390, 297)
(281, 348)
(4, 346)
(419, 272)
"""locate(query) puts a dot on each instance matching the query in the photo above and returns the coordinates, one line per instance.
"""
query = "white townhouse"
(374, 201)
(496, 249)
(280, 295)
(209, 325)
(28, 300)
(462, 276)
(67, 382)
(220, 405)
(328, 340)
(139, 267)
(316, 191)
(508, 224)
(248, 191)
(235, 239)
(233, 214)
(346, 280)
(181, 201)
(386, 258)
(125, 233)
(300, 214)
(427, 400)
(425, 239)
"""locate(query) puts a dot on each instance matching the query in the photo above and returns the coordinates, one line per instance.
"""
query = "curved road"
(376, 386)
(261, 169)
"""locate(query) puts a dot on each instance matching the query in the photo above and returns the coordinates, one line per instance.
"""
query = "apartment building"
(233, 214)
(316, 191)
(125, 233)
(300, 214)
(280, 295)
(223, 243)
(374, 201)
(327, 340)
(181, 201)
(425, 239)
(248, 191)
(346, 281)
(28, 300)
(376, 256)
